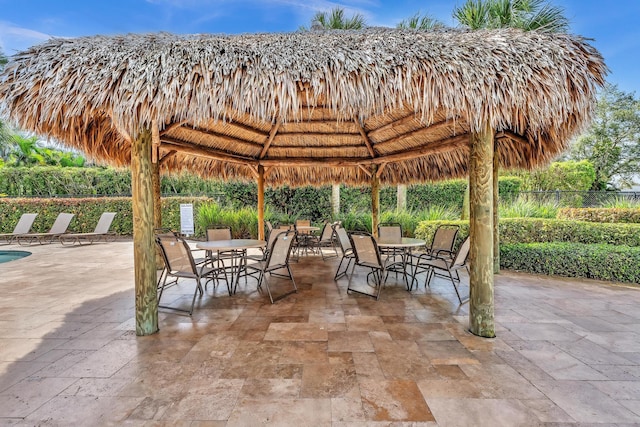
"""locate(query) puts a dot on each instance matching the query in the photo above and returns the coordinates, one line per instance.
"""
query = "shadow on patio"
(566, 351)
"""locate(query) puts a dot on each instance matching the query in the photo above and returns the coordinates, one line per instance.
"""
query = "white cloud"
(14, 39)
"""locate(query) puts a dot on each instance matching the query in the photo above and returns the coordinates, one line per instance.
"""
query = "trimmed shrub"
(87, 211)
(623, 215)
(602, 262)
(535, 230)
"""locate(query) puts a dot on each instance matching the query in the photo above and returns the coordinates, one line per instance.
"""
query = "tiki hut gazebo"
(377, 106)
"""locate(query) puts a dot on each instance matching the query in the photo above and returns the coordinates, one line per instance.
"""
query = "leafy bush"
(87, 212)
(243, 222)
(528, 230)
(595, 261)
(620, 215)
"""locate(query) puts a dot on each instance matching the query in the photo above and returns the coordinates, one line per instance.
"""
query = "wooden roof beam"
(417, 132)
(167, 156)
(393, 124)
(171, 126)
(226, 138)
(365, 138)
(267, 143)
(197, 150)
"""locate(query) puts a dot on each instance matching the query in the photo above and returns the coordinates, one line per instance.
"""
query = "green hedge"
(602, 262)
(87, 212)
(534, 230)
(620, 215)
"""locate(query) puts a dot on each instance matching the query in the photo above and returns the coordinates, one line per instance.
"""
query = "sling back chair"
(441, 247)
(276, 263)
(179, 264)
(327, 240)
(367, 255)
(347, 252)
(446, 267)
(22, 227)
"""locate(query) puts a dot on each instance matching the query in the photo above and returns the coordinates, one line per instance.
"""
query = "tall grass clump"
(622, 203)
(243, 222)
(522, 207)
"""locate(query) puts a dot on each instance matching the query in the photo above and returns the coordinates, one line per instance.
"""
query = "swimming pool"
(6, 256)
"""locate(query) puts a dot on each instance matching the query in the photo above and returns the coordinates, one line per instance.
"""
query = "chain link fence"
(581, 199)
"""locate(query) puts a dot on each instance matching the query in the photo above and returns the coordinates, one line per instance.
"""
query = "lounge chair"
(101, 232)
(58, 228)
(22, 227)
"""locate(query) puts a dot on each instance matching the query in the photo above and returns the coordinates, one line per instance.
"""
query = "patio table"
(238, 249)
(406, 245)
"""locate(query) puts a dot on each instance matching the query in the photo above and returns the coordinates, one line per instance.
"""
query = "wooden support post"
(157, 199)
(155, 168)
(496, 201)
(402, 198)
(144, 252)
(260, 202)
(375, 200)
(481, 308)
(335, 200)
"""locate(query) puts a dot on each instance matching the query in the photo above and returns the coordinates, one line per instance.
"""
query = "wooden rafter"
(416, 132)
(226, 138)
(267, 143)
(254, 170)
(320, 134)
(380, 169)
(393, 124)
(168, 128)
(365, 170)
(167, 156)
(365, 138)
(196, 150)
(513, 136)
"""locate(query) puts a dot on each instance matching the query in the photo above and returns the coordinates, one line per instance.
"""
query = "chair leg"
(338, 273)
(454, 285)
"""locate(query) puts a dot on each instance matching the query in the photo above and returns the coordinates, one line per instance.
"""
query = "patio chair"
(440, 266)
(277, 260)
(101, 232)
(326, 240)
(58, 228)
(347, 252)
(22, 227)
(179, 264)
(441, 247)
(367, 255)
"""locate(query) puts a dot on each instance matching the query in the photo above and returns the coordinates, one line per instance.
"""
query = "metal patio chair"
(367, 255)
(347, 252)
(276, 263)
(446, 268)
(179, 264)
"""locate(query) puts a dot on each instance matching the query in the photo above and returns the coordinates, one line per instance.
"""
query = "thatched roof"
(312, 107)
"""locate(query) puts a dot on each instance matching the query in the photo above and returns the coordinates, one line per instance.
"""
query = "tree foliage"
(527, 15)
(336, 20)
(612, 142)
(565, 176)
(421, 22)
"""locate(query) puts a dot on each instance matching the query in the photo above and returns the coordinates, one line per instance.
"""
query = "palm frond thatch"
(312, 107)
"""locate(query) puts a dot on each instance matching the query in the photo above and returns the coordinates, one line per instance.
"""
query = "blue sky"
(613, 25)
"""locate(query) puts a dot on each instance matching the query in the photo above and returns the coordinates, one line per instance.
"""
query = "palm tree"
(335, 20)
(527, 15)
(421, 22)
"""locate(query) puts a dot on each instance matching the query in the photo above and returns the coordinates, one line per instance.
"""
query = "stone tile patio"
(567, 351)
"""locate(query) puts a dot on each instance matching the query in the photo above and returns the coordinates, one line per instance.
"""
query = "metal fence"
(581, 199)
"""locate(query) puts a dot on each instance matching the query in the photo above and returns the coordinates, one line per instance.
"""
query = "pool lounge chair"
(58, 228)
(22, 227)
(101, 232)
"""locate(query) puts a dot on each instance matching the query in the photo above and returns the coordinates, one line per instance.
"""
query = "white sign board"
(186, 219)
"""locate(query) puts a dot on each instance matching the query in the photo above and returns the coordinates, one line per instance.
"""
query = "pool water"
(6, 256)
